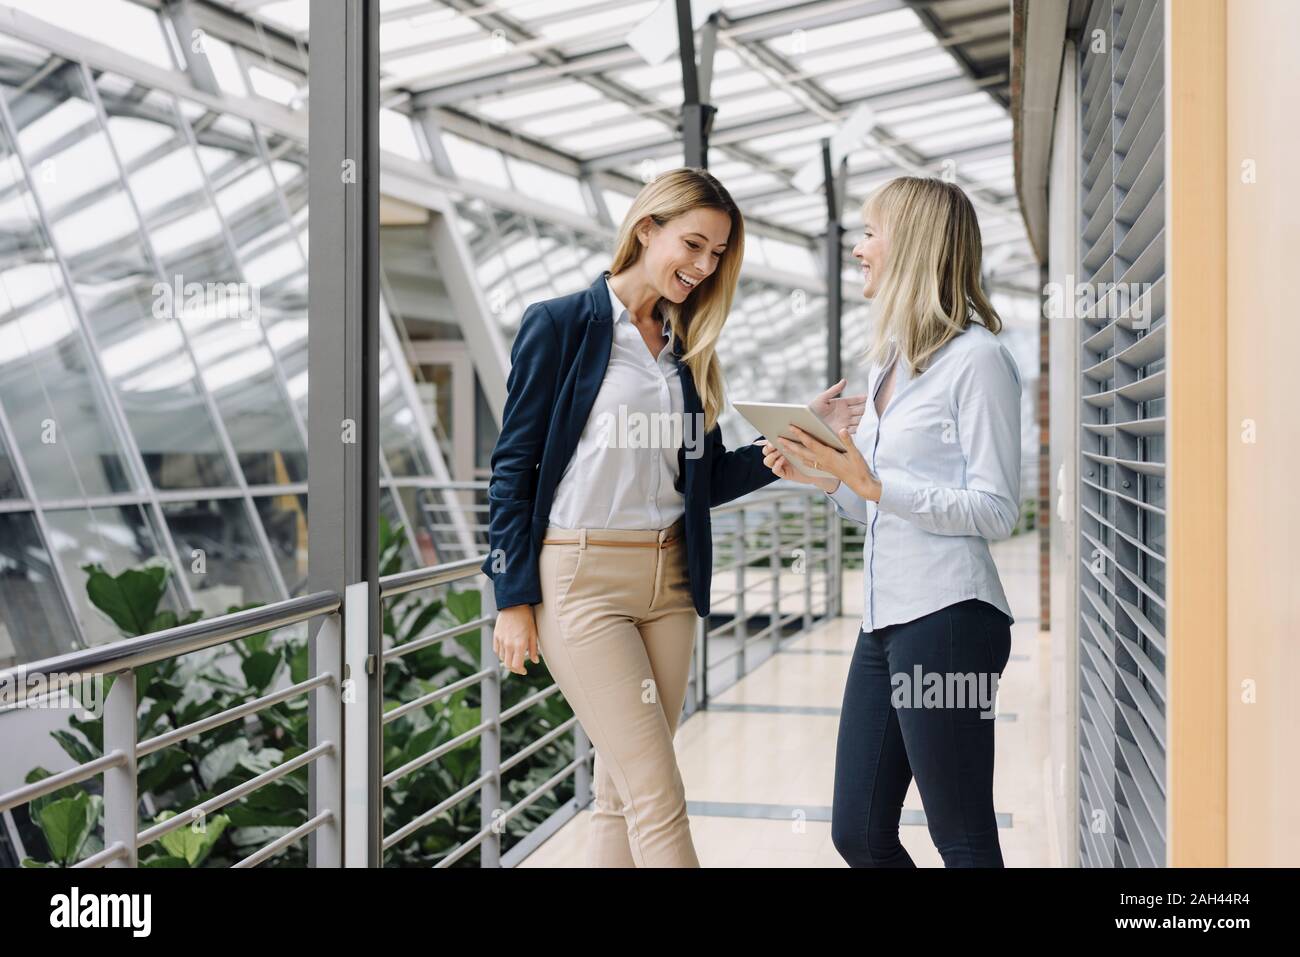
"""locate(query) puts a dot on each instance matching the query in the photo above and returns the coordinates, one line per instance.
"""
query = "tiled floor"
(759, 764)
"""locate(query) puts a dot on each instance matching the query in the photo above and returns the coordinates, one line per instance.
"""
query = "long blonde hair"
(699, 319)
(930, 290)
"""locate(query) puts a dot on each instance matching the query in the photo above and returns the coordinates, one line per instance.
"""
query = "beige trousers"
(616, 626)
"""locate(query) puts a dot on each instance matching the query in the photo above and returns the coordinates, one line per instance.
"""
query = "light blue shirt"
(947, 454)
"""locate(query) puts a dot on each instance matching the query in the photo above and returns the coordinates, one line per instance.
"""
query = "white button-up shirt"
(947, 454)
(621, 475)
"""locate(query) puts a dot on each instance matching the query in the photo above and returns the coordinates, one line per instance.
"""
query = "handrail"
(157, 646)
(416, 579)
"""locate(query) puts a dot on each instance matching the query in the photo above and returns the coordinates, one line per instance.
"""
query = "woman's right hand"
(514, 637)
(837, 411)
(780, 465)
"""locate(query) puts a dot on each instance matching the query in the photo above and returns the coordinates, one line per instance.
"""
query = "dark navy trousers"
(919, 702)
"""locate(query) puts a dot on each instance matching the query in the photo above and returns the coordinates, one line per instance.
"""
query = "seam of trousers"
(952, 731)
(635, 833)
(875, 773)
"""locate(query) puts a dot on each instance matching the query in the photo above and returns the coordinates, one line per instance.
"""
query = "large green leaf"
(164, 771)
(295, 652)
(192, 843)
(75, 746)
(260, 669)
(67, 823)
(223, 759)
(465, 605)
(129, 598)
(36, 804)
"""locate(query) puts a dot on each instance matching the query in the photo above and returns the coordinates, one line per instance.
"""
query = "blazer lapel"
(591, 362)
(694, 410)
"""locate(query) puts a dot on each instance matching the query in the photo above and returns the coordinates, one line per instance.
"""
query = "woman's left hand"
(849, 466)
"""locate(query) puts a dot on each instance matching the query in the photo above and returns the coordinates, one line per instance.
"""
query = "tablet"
(773, 419)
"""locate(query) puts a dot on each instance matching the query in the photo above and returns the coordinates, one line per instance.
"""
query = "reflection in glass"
(34, 622)
(388, 510)
(436, 517)
(220, 553)
(116, 538)
(9, 485)
(399, 429)
(284, 517)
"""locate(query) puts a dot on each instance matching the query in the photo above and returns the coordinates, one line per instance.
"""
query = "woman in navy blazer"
(622, 620)
(542, 421)
(557, 365)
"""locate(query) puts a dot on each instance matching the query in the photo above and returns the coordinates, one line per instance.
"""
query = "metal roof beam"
(781, 121)
(462, 85)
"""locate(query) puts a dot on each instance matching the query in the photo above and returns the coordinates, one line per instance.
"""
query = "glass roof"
(559, 81)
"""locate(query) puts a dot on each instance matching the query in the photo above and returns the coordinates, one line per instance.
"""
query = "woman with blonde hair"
(934, 475)
(609, 459)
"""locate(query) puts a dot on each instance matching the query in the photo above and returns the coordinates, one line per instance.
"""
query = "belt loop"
(582, 538)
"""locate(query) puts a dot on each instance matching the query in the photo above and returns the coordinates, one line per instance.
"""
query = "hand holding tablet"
(773, 419)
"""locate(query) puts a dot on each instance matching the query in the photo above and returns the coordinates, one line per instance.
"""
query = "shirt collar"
(621, 313)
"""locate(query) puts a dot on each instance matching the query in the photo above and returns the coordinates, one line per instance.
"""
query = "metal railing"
(776, 564)
(776, 569)
(122, 748)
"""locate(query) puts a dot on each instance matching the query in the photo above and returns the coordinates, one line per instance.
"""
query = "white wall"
(1263, 102)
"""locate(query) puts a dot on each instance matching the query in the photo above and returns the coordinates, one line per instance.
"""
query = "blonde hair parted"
(930, 290)
(700, 318)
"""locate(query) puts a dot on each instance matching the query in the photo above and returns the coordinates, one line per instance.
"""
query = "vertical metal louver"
(1121, 660)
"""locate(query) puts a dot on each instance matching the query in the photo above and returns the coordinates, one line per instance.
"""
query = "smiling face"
(871, 252)
(684, 251)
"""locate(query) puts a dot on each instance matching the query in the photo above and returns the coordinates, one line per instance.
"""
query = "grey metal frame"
(697, 112)
(343, 347)
(834, 178)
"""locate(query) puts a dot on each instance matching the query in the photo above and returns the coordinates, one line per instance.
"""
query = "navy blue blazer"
(543, 419)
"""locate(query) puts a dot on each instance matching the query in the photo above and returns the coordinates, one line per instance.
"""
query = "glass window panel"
(399, 430)
(292, 16)
(951, 119)
(555, 122)
(616, 21)
(34, 622)
(227, 316)
(388, 509)
(474, 161)
(987, 134)
(284, 517)
(430, 24)
(603, 139)
(56, 412)
(397, 134)
(116, 538)
(222, 558)
(922, 68)
(846, 31)
(221, 57)
(141, 348)
(275, 87)
(568, 94)
(434, 514)
(469, 53)
(10, 487)
(120, 24)
(618, 203)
